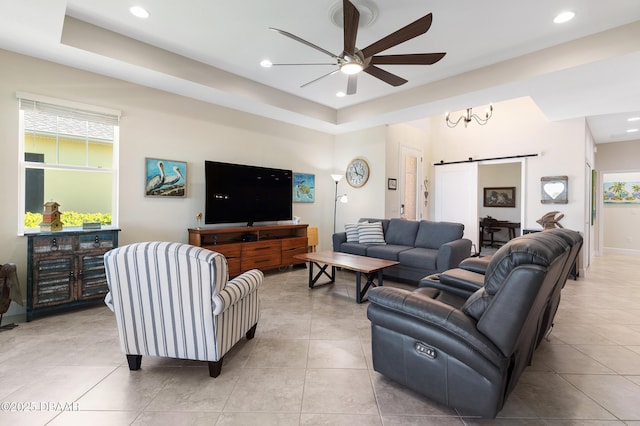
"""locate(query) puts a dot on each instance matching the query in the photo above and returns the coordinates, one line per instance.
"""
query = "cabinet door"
(53, 280)
(92, 280)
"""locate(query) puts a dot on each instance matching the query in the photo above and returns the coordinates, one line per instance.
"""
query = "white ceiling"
(210, 50)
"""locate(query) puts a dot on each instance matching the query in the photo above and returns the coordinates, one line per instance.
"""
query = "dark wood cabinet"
(66, 269)
(261, 247)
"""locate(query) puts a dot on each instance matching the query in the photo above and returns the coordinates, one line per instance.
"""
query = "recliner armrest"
(237, 289)
(400, 309)
(476, 264)
(456, 281)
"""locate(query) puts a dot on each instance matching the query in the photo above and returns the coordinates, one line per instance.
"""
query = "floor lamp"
(342, 198)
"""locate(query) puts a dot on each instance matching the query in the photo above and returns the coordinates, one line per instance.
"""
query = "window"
(68, 154)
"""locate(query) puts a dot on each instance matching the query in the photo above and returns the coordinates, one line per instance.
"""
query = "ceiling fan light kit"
(351, 68)
(353, 60)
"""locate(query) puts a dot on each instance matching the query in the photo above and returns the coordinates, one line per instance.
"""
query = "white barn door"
(456, 196)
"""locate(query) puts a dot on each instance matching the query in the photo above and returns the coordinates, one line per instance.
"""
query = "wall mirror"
(554, 189)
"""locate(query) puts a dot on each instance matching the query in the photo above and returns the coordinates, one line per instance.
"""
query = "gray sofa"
(422, 247)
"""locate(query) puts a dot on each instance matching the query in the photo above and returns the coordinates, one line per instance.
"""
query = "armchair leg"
(214, 368)
(134, 362)
(252, 332)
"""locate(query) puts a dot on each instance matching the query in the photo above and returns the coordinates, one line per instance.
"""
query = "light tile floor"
(310, 364)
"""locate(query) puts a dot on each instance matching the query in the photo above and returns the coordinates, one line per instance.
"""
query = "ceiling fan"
(353, 60)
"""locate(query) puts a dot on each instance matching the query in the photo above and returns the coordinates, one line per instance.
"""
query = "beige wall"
(399, 136)
(366, 201)
(620, 224)
(518, 127)
(161, 125)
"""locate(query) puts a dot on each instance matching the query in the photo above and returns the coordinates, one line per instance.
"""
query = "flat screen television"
(237, 193)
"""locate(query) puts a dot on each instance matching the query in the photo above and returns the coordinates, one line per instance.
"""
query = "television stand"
(248, 247)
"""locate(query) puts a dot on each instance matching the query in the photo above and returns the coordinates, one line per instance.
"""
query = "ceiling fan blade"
(352, 84)
(409, 59)
(303, 41)
(320, 78)
(385, 76)
(408, 32)
(350, 24)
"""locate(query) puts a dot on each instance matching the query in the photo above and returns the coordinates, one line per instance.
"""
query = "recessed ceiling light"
(633, 119)
(139, 11)
(563, 17)
(632, 130)
(265, 63)
(341, 94)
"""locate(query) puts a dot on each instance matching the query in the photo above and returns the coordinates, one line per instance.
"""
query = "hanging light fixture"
(471, 116)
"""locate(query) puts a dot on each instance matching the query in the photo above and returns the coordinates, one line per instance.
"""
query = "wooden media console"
(249, 247)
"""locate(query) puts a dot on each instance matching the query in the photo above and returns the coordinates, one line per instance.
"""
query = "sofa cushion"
(354, 248)
(388, 252)
(401, 232)
(422, 258)
(352, 232)
(370, 233)
(432, 235)
(384, 222)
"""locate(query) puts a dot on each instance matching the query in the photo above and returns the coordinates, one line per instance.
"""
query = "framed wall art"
(500, 196)
(392, 184)
(165, 178)
(554, 189)
(304, 188)
(621, 188)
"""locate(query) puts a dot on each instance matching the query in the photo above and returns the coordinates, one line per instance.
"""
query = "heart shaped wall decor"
(553, 189)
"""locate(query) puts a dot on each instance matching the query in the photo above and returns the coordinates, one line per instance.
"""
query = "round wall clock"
(357, 172)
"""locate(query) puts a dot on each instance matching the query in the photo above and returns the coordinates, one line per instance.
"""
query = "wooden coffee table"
(369, 266)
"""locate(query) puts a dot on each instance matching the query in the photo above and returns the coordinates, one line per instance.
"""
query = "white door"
(456, 196)
(410, 184)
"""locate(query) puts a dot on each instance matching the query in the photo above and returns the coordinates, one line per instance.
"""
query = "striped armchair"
(175, 300)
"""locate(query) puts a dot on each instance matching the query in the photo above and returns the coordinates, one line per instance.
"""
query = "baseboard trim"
(614, 250)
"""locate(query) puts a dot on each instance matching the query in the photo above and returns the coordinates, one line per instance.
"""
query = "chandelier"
(471, 116)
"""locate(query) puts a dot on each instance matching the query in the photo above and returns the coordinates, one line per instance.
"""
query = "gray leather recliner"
(468, 352)
(469, 276)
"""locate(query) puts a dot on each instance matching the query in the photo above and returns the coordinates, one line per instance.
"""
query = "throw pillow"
(352, 232)
(370, 233)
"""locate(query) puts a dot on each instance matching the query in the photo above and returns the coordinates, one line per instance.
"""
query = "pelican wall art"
(165, 178)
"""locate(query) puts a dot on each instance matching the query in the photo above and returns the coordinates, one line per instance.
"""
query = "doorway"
(459, 193)
(410, 184)
(496, 177)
